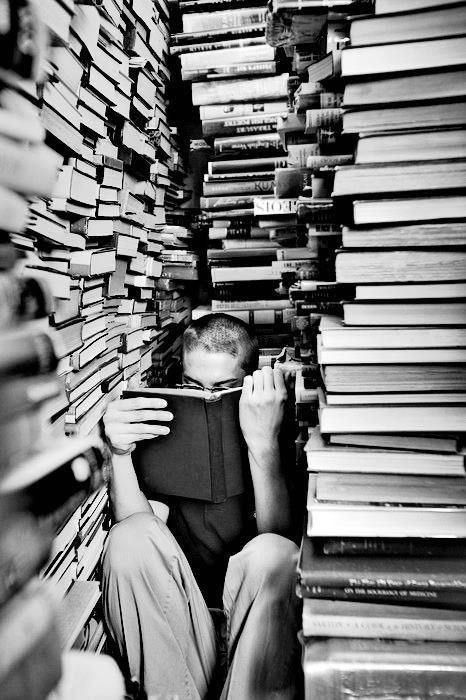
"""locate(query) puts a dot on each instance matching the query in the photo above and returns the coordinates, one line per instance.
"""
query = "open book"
(204, 455)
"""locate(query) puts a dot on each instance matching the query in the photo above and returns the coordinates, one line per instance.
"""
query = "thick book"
(446, 85)
(435, 313)
(372, 572)
(336, 669)
(354, 181)
(396, 418)
(421, 236)
(404, 56)
(246, 165)
(323, 457)
(203, 457)
(226, 19)
(225, 57)
(234, 110)
(220, 92)
(328, 618)
(429, 23)
(404, 117)
(249, 124)
(335, 334)
(434, 145)
(337, 515)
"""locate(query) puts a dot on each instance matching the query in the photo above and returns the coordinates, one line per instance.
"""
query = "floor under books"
(298, 165)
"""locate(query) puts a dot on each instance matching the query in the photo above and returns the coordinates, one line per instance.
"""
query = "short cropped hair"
(223, 333)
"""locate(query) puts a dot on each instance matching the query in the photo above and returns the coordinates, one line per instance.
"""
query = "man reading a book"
(165, 563)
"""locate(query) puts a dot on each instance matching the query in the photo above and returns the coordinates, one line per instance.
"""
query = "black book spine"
(455, 600)
(213, 410)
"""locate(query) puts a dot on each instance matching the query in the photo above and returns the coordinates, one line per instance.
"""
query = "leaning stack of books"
(383, 565)
(103, 259)
(42, 479)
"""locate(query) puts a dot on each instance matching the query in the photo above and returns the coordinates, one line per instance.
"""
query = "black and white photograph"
(232, 350)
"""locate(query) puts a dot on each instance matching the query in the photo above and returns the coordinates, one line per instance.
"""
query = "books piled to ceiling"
(240, 85)
(383, 566)
(102, 265)
(42, 479)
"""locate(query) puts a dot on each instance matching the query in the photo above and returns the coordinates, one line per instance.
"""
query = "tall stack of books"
(383, 564)
(240, 85)
(42, 479)
(104, 266)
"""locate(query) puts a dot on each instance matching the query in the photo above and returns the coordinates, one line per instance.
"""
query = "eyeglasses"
(212, 390)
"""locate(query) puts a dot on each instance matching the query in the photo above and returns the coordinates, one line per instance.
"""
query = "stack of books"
(98, 267)
(253, 239)
(40, 486)
(383, 562)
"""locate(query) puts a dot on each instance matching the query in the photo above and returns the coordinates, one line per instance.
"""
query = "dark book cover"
(416, 573)
(203, 457)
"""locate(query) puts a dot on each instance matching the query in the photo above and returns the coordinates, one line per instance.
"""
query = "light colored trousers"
(158, 617)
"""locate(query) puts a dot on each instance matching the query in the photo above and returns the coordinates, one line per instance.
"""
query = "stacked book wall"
(240, 87)
(381, 402)
(97, 274)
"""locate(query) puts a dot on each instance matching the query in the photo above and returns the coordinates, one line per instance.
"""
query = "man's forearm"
(125, 495)
(272, 499)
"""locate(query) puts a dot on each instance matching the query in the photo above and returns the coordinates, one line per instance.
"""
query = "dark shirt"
(209, 533)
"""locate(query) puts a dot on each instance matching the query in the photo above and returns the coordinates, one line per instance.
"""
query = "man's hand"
(129, 420)
(261, 409)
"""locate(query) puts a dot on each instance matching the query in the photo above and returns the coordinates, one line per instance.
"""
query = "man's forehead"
(199, 363)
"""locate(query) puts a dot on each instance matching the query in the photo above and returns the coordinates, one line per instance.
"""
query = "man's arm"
(126, 422)
(261, 415)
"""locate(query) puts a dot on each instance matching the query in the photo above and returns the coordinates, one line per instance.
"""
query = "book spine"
(187, 38)
(400, 548)
(323, 119)
(248, 187)
(227, 202)
(252, 164)
(229, 233)
(246, 143)
(227, 57)
(240, 125)
(316, 162)
(455, 600)
(237, 177)
(299, 153)
(384, 628)
(259, 304)
(291, 182)
(260, 67)
(248, 109)
(213, 411)
(209, 21)
(272, 207)
(247, 90)
(214, 5)
(216, 45)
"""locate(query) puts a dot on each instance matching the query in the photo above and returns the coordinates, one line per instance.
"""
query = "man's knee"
(130, 546)
(271, 559)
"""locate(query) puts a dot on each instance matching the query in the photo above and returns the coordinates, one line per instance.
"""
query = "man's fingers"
(267, 377)
(121, 432)
(145, 416)
(138, 403)
(247, 386)
(258, 381)
(279, 380)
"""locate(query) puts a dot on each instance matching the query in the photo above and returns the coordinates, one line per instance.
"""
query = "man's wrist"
(121, 451)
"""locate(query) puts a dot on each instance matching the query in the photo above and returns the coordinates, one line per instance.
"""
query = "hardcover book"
(203, 457)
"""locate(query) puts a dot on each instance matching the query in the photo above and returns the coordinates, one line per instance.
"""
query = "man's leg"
(155, 610)
(262, 610)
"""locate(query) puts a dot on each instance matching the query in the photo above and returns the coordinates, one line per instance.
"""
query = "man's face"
(212, 370)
